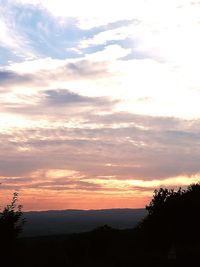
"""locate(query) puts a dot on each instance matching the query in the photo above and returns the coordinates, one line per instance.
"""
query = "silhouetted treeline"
(172, 225)
(173, 215)
(168, 236)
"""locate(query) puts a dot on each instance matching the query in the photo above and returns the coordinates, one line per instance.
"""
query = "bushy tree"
(11, 223)
(173, 217)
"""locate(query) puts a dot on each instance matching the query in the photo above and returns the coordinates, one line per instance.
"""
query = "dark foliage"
(174, 214)
(11, 224)
(173, 222)
(11, 221)
(168, 236)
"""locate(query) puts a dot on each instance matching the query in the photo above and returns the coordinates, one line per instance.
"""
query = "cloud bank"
(98, 101)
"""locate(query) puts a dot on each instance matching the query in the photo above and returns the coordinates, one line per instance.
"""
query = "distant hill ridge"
(53, 222)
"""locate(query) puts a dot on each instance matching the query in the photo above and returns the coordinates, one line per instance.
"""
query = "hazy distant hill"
(69, 221)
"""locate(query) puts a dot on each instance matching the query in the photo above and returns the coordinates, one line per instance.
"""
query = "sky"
(99, 101)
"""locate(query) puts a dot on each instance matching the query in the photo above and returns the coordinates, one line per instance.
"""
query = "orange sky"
(84, 201)
(111, 194)
(99, 106)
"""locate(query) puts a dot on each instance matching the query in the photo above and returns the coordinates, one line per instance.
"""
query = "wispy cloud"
(11, 36)
(135, 151)
(98, 99)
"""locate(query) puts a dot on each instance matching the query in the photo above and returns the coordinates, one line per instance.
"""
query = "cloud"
(30, 77)
(119, 33)
(120, 155)
(154, 36)
(86, 68)
(60, 97)
(29, 30)
(10, 36)
(49, 70)
(65, 97)
(170, 88)
(50, 104)
(87, 17)
(11, 78)
(142, 148)
(110, 94)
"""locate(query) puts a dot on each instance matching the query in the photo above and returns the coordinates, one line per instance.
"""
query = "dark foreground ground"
(104, 247)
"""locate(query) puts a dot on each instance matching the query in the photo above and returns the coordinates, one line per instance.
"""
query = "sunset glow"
(99, 101)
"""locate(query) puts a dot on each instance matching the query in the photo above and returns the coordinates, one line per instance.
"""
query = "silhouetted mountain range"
(70, 221)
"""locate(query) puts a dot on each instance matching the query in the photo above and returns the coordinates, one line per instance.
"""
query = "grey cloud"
(82, 69)
(85, 68)
(17, 166)
(63, 97)
(15, 180)
(60, 103)
(55, 184)
(155, 152)
(142, 120)
(66, 184)
(15, 183)
(11, 77)
(10, 187)
(59, 97)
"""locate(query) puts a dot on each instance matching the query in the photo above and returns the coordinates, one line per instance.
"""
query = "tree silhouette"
(11, 224)
(173, 222)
